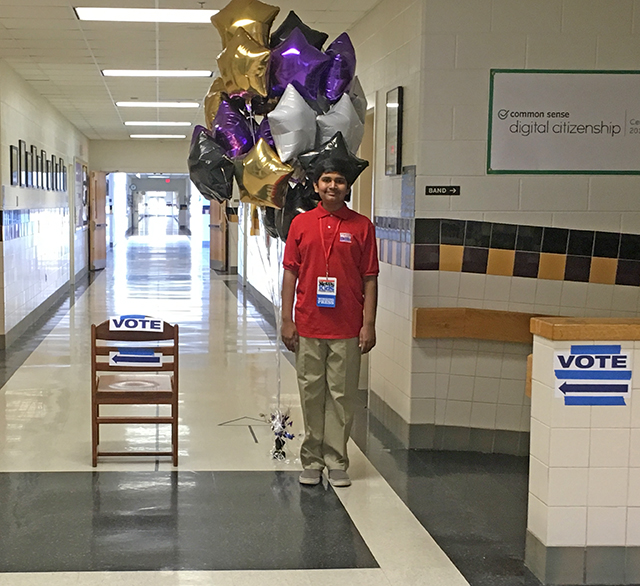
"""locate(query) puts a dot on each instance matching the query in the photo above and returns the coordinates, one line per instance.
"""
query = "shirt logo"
(345, 237)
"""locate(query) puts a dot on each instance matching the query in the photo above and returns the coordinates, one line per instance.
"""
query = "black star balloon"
(269, 221)
(314, 37)
(337, 154)
(209, 168)
(299, 199)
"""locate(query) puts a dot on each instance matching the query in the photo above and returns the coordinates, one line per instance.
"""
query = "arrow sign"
(442, 190)
(135, 359)
(567, 388)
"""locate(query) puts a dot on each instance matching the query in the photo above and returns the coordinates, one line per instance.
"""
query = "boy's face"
(332, 188)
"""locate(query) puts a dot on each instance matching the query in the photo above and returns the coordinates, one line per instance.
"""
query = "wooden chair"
(123, 373)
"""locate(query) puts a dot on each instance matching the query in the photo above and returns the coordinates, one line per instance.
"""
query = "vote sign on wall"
(593, 375)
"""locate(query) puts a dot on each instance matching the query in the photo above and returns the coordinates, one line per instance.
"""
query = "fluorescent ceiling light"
(194, 15)
(156, 73)
(157, 136)
(157, 104)
(151, 123)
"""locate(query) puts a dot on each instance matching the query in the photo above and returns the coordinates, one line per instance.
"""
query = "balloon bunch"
(280, 107)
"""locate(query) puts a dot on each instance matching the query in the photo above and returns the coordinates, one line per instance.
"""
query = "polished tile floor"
(229, 514)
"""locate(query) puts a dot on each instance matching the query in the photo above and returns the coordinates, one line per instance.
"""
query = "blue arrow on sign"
(567, 388)
(137, 359)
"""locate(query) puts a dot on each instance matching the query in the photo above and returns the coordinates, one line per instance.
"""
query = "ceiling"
(61, 56)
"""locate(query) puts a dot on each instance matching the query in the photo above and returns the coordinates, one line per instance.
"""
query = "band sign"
(442, 190)
(593, 375)
(135, 323)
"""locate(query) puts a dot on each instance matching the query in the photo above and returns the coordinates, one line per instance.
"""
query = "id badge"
(326, 295)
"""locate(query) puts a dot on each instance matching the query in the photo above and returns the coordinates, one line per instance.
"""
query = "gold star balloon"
(252, 15)
(244, 66)
(263, 177)
(212, 101)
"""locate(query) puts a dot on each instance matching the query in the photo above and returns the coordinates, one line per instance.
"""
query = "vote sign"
(135, 323)
(593, 375)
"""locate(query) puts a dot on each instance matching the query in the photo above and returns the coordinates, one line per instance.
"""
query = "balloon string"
(253, 122)
(274, 278)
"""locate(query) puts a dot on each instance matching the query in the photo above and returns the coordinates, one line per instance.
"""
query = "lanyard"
(327, 251)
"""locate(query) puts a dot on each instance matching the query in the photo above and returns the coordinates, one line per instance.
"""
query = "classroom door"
(98, 221)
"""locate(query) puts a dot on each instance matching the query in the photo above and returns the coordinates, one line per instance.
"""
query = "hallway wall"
(140, 156)
(35, 222)
(442, 52)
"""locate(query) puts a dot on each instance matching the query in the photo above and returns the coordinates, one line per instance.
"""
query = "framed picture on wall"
(38, 171)
(22, 157)
(29, 167)
(54, 172)
(393, 135)
(34, 166)
(64, 178)
(61, 174)
(47, 174)
(43, 169)
(15, 165)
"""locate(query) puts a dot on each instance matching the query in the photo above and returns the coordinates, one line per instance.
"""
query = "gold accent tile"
(451, 257)
(603, 270)
(500, 262)
(552, 266)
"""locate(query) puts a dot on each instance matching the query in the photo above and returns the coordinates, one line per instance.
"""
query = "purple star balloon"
(232, 131)
(297, 62)
(342, 68)
(264, 131)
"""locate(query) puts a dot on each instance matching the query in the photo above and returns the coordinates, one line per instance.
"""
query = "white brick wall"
(34, 266)
(445, 126)
(585, 463)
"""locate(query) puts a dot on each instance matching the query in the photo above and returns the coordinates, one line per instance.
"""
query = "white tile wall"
(593, 459)
(35, 266)
(446, 94)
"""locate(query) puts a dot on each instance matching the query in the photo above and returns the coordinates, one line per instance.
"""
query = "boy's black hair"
(329, 166)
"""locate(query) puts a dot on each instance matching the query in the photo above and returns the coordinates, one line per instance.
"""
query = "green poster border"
(492, 73)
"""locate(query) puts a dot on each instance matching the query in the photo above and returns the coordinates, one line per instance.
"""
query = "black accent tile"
(630, 246)
(526, 264)
(427, 231)
(478, 234)
(474, 260)
(577, 268)
(503, 236)
(481, 440)
(632, 565)
(605, 565)
(426, 257)
(555, 240)
(565, 565)
(607, 245)
(185, 521)
(628, 273)
(455, 438)
(452, 232)
(507, 442)
(581, 242)
(529, 238)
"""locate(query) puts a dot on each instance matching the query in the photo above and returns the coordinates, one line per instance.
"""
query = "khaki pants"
(328, 373)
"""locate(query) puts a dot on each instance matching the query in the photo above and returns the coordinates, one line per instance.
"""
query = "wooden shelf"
(466, 322)
(586, 328)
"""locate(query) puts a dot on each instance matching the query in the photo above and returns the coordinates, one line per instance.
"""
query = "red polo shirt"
(348, 238)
